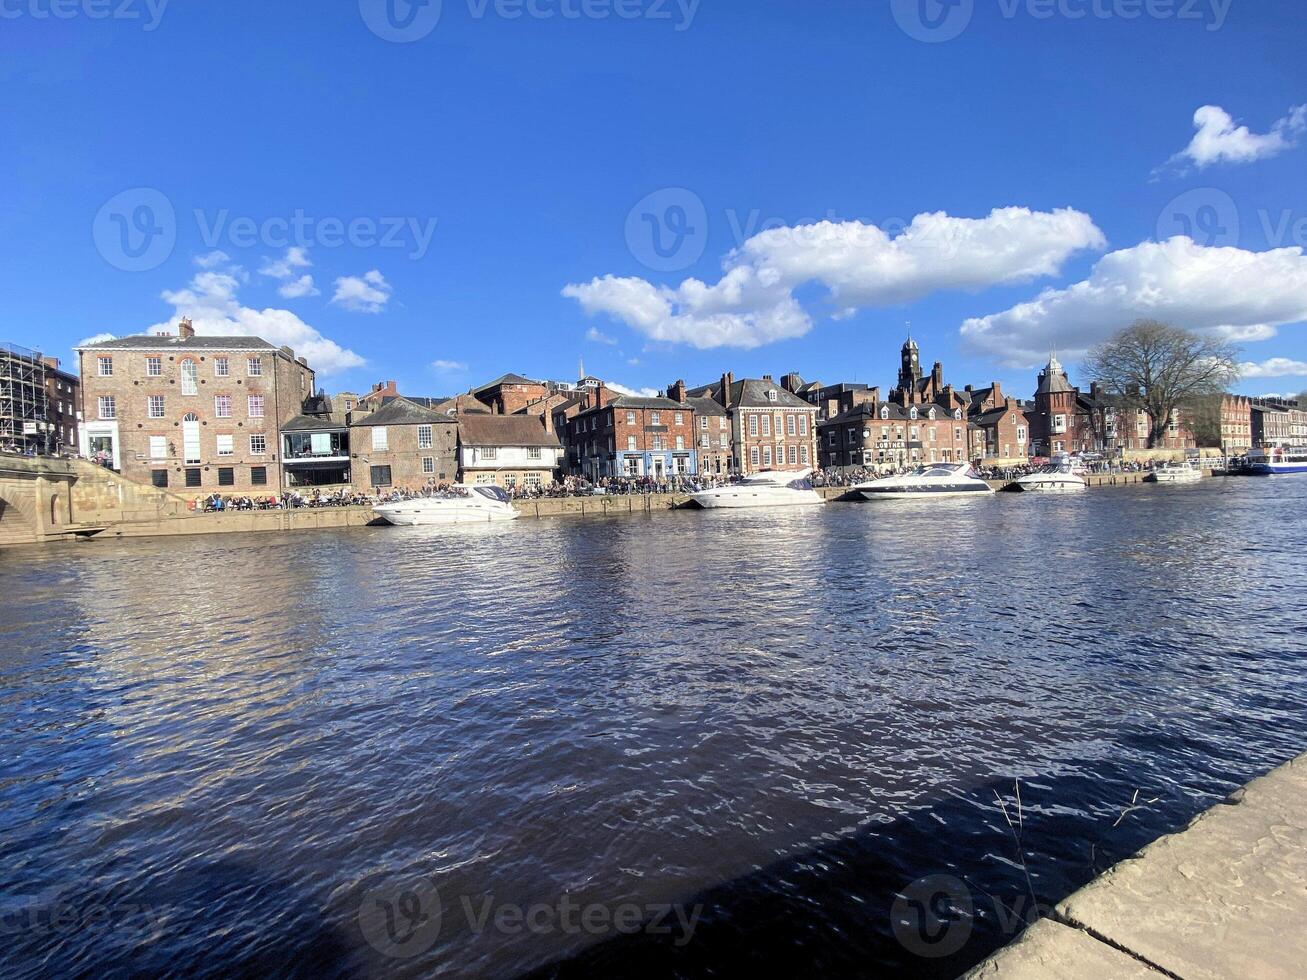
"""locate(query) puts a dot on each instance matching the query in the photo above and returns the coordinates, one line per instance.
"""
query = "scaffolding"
(24, 406)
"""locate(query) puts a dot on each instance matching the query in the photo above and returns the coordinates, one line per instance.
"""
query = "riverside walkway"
(1224, 898)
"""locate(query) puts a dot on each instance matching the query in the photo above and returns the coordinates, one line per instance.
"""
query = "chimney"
(185, 329)
(766, 377)
(601, 395)
(724, 396)
(998, 393)
(677, 392)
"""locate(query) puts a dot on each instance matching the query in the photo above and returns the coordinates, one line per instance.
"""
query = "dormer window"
(932, 415)
(884, 412)
(957, 414)
(912, 414)
(771, 394)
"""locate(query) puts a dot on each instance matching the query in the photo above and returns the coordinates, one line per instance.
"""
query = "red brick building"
(631, 436)
(771, 429)
(891, 436)
(511, 394)
(1001, 424)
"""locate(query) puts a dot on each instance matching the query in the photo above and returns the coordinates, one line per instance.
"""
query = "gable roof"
(752, 393)
(504, 430)
(705, 406)
(170, 342)
(401, 411)
(506, 379)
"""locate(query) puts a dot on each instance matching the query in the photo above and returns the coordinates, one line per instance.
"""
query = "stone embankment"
(1224, 898)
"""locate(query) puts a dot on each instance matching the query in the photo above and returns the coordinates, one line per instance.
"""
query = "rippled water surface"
(217, 749)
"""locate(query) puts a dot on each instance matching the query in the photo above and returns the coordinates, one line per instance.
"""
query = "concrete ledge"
(1049, 950)
(1225, 897)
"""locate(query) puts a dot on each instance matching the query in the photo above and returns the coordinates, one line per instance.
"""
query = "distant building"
(315, 447)
(712, 432)
(1001, 423)
(39, 404)
(511, 393)
(633, 436)
(1059, 421)
(508, 450)
(1278, 423)
(889, 435)
(771, 429)
(403, 445)
(1236, 424)
(191, 413)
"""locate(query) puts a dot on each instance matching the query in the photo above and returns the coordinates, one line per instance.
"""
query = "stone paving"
(1226, 897)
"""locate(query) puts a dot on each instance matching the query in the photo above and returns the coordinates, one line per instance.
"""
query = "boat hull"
(1051, 486)
(420, 516)
(733, 498)
(1174, 477)
(925, 493)
(1277, 469)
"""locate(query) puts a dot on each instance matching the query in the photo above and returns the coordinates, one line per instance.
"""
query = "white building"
(507, 450)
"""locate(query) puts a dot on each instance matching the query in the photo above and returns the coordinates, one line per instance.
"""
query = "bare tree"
(1161, 369)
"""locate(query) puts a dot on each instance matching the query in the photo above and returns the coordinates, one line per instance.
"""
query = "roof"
(705, 406)
(993, 416)
(752, 393)
(504, 430)
(401, 411)
(312, 423)
(170, 342)
(868, 412)
(1053, 380)
(507, 379)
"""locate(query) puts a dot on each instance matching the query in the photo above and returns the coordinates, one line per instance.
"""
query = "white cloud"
(1274, 367)
(1233, 293)
(212, 259)
(286, 267)
(297, 288)
(449, 367)
(98, 338)
(210, 300)
(859, 265)
(368, 293)
(1220, 140)
(634, 392)
(599, 337)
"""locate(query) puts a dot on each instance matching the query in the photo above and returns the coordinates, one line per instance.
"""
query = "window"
(930, 434)
(884, 412)
(258, 445)
(221, 367)
(158, 447)
(159, 478)
(190, 378)
(380, 443)
(1059, 423)
(225, 446)
(803, 455)
(766, 425)
(705, 441)
(532, 480)
(721, 422)
(931, 415)
(106, 366)
(794, 455)
(659, 443)
(830, 438)
(724, 442)
(753, 425)
(533, 452)
(630, 418)
(510, 481)
(490, 452)
(1021, 433)
(680, 418)
(913, 434)
(193, 477)
(154, 406)
(913, 413)
(226, 476)
(771, 394)
(753, 455)
(428, 464)
(766, 455)
(259, 476)
(630, 444)
(957, 434)
(254, 367)
(791, 426)
(153, 367)
(655, 418)
(425, 439)
(703, 422)
(256, 406)
(380, 475)
(222, 406)
(107, 408)
(680, 442)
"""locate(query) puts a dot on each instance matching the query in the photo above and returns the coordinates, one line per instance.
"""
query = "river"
(676, 744)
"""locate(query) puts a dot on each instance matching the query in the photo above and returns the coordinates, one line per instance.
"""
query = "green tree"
(1162, 369)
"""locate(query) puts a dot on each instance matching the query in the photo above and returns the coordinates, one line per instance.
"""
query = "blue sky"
(484, 198)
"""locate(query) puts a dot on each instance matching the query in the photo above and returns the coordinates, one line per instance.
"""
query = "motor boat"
(1274, 462)
(1058, 477)
(769, 488)
(1175, 473)
(929, 481)
(459, 505)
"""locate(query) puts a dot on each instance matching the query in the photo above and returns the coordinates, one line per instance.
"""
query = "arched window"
(884, 412)
(912, 414)
(957, 413)
(190, 378)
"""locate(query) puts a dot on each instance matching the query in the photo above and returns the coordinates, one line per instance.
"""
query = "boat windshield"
(938, 472)
(800, 484)
(494, 493)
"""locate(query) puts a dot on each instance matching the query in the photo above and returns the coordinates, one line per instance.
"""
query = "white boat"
(770, 488)
(1059, 477)
(1277, 462)
(459, 505)
(927, 482)
(1175, 473)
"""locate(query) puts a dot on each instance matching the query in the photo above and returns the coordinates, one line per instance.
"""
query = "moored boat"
(927, 482)
(1058, 477)
(1175, 473)
(769, 488)
(1277, 461)
(459, 505)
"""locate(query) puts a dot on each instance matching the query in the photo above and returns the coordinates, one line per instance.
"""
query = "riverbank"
(1225, 897)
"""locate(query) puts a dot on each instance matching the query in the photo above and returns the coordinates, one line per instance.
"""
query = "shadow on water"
(929, 894)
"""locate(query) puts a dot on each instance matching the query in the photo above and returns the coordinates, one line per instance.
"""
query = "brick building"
(1278, 422)
(511, 393)
(712, 433)
(1236, 424)
(508, 450)
(1001, 425)
(889, 435)
(1060, 421)
(63, 396)
(771, 429)
(191, 413)
(39, 403)
(830, 400)
(627, 435)
(315, 447)
(403, 445)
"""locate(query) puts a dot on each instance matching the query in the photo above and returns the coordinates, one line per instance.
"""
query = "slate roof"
(706, 406)
(401, 411)
(1053, 380)
(507, 379)
(867, 412)
(197, 343)
(313, 423)
(504, 430)
(752, 393)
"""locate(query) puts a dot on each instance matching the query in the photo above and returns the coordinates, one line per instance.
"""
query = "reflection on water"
(219, 749)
